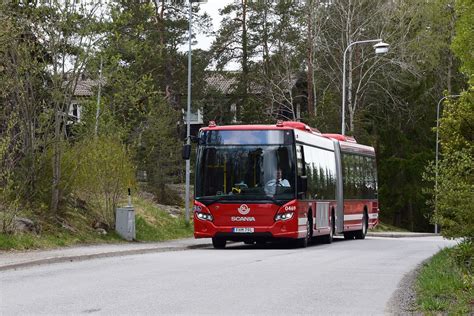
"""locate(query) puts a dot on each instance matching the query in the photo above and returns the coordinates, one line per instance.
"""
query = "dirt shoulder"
(403, 300)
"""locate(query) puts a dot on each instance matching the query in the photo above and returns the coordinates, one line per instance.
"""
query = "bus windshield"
(248, 172)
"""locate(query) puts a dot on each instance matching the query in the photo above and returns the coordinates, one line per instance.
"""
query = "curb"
(112, 254)
(401, 235)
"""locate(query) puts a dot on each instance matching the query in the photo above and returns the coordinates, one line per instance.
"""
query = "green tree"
(146, 80)
(401, 109)
(453, 197)
(235, 43)
(159, 151)
(23, 77)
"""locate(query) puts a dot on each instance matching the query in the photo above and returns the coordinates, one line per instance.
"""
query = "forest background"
(53, 168)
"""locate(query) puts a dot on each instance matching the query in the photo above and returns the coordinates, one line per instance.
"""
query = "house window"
(75, 112)
(233, 110)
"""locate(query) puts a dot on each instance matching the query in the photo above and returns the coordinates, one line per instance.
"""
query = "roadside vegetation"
(445, 284)
(54, 238)
(154, 222)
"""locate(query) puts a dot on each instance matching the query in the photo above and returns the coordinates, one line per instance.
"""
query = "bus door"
(339, 189)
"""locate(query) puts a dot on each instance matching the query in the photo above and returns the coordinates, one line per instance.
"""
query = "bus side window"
(300, 161)
(302, 187)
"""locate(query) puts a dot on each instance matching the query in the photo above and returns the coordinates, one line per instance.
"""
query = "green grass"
(50, 240)
(445, 286)
(382, 227)
(154, 224)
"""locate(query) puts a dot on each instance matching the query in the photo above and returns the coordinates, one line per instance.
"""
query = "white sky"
(204, 42)
(212, 8)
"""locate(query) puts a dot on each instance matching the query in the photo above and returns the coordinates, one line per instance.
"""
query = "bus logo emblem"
(244, 209)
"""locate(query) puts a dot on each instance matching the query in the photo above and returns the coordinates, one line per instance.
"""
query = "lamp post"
(188, 112)
(380, 48)
(437, 151)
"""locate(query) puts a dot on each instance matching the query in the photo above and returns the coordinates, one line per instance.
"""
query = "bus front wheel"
(303, 242)
(218, 243)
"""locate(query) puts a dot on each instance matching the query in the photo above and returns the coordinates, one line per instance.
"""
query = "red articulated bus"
(256, 183)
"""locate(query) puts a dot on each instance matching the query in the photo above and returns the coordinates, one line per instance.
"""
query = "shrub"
(104, 171)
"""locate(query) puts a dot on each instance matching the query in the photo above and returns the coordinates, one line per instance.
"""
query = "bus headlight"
(204, 216)
(284, 216)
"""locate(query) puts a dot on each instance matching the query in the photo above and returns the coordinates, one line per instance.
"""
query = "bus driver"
(278, 181)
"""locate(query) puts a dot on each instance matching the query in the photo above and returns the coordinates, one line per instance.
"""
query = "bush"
(464, 254)
(103, 173)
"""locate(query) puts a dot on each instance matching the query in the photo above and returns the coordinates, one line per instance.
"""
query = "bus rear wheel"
(327, 239)
(218, 243)
(360, 234)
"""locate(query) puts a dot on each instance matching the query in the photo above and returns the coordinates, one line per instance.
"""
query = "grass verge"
(152, 224)
(445, 285)
(49, 240)
(382, 227)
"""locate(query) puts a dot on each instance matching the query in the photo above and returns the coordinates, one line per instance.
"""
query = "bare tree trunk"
(56, 163)
(349, 93)
(450, 55)
(410, 214)
(309, 60)
(245, 67)
(266, 57)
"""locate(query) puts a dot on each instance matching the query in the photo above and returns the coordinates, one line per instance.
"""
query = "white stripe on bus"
(353, 217)
(302, 221)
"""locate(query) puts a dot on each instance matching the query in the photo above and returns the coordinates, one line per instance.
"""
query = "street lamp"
(380, 48)
(437, 151)
(188, 113)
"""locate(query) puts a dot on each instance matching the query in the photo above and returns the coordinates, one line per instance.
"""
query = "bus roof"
(284, 125)
(348, 143)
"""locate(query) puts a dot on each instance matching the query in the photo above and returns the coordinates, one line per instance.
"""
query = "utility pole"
(188, 112)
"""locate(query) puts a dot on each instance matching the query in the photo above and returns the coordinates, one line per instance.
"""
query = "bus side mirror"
(186, 153)
(302, 184)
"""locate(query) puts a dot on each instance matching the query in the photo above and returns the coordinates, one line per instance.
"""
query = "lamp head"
(381, 48)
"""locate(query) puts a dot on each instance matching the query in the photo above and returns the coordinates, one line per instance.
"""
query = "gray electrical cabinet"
(125, 222)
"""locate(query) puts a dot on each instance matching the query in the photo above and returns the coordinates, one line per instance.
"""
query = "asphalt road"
(346, 277)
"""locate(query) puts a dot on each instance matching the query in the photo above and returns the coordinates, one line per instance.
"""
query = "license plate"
(243, 230)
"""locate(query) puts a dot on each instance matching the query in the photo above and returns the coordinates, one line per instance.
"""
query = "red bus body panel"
(262, 215)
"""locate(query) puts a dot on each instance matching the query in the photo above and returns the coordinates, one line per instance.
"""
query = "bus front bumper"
(280, 229)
